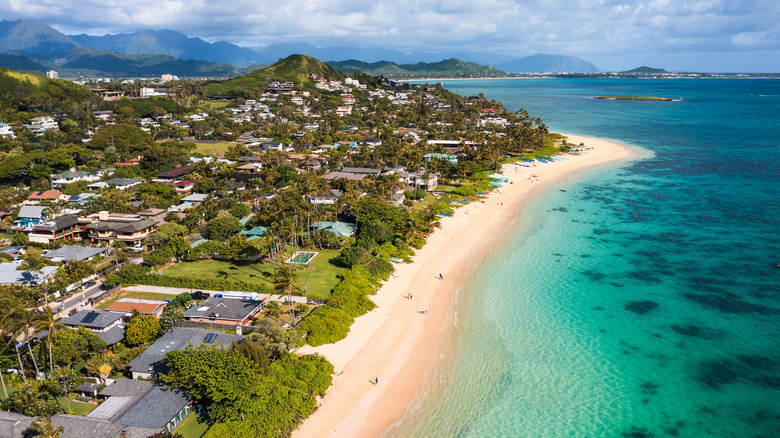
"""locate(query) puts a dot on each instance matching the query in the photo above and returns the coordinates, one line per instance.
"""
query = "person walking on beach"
(376, 381)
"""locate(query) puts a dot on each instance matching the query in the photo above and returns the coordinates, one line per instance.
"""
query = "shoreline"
(404, 348)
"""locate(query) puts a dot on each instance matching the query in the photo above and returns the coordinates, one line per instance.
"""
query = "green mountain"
(26, 91)
(20, 63)
(33, 37)
(294, 68)
(646, 69)
(121, 64)
(448, 67)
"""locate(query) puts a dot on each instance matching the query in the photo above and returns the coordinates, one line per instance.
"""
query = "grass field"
(212, 149)
(191, 427)
(79, 407)
(324, 274)
(138, 295)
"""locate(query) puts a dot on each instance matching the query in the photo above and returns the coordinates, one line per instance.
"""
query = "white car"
(137, 247)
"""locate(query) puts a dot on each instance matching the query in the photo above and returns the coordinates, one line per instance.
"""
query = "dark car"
(200, 295)
(87, 284)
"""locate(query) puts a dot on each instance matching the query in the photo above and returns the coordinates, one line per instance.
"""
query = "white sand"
(398, 344)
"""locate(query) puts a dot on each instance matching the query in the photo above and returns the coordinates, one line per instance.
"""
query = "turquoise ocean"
(645, 300)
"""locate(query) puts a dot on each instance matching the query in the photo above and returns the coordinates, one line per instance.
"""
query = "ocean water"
(645, 300)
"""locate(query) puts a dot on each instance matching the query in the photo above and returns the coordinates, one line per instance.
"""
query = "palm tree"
(272, 310)
(36, 265)
(45, 320)
(102, 364)
(19, 321)
(45, 428)
(284, 283)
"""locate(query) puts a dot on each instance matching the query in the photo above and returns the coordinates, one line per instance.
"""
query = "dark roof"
(156, 408)
(58, 224)
(361, 170)
(175, 173)
(176, 338)
(114, 335)
(75, 426)
(94, 319)
(13, 425)
(88, 387)
(67, 253)
(127, 388)
(125, 227)
(123, 181)
(225, 309)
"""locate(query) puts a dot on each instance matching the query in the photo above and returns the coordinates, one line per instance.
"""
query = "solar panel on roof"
(210, 338)
(89, 317)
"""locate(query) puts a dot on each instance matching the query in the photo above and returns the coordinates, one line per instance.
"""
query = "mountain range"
(47, 46)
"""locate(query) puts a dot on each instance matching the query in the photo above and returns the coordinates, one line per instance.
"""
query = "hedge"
(137, 274)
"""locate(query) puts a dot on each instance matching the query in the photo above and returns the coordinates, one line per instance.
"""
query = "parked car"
(200, 295)
(87, 284)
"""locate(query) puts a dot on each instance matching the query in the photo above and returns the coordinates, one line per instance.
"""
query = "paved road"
(77, 301)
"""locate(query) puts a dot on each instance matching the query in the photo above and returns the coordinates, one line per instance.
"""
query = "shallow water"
(644, 301)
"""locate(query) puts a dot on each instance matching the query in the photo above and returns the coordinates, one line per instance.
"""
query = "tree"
(67, 379)
(36, 265)
(102, 364)
(275, 339)
(171, 317)
(272, 310)
(73, 345)
(45, 320)
(20, 324)
(223, 226)
(31, 401)
(284, 284)
(142, 329)
(43, 425)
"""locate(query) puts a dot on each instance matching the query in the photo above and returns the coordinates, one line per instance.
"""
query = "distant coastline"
(639, 98)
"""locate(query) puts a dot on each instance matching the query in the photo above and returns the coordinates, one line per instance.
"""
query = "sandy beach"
(396, 343)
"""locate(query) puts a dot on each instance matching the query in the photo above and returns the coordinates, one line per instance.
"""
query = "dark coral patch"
(641, 307)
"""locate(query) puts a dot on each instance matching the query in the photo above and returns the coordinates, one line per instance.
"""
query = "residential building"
(184, 185)
(81, 198)
(52, 74)
(151, 361)
(343, 111)
(11, 274)
(40, 125)
(342, 229)
(118, 183)
(31, 215)
(48, 195)
(328, 198)
(131, 229)
(69, 177)
(61, 228)
(68, 253)
(5, 130)
(172, 175)
(133, 408)
(194, 199)
(224, 311)
(106, 324)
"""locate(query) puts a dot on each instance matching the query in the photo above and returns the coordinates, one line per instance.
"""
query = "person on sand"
(376, 381)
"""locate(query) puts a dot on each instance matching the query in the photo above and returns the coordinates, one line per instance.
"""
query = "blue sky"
(695, 35)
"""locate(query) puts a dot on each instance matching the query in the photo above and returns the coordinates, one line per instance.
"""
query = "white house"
(343, 111)
(5, 130)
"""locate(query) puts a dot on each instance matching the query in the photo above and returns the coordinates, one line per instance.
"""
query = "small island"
(651, 98)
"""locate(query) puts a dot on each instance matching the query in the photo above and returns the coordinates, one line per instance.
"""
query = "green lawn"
(137, 295)
(191, 427)
(324, 275)
(213, 149)
(79, 407)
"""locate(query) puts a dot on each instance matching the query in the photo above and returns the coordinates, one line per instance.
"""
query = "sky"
(682, 35)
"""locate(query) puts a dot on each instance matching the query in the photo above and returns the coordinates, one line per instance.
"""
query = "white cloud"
(574, 27)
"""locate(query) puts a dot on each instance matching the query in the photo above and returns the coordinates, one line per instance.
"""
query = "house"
(297, 100)
(131, 229)
(30, 215)
(342, 229)
(183, 185)
(450, 158)
(48, 195)
(361, 170)
(224, 311)
(61, 228)
(348, 99)
(328, 198)
(13, 425)
(396, 199)
(343, 111)
(131, 162)
(70, 177)
(172, 175)
(344, 175)
(106, 324)
(68, 253)
(194, 199)
(15, 252)
(119, 183)
(5, 131)
(81, 198)
(153, 214)
(130, 305)
(11, 274)
(134, 408)
(40, 125)
(252, 168)
(146, 364)
(420, 179)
